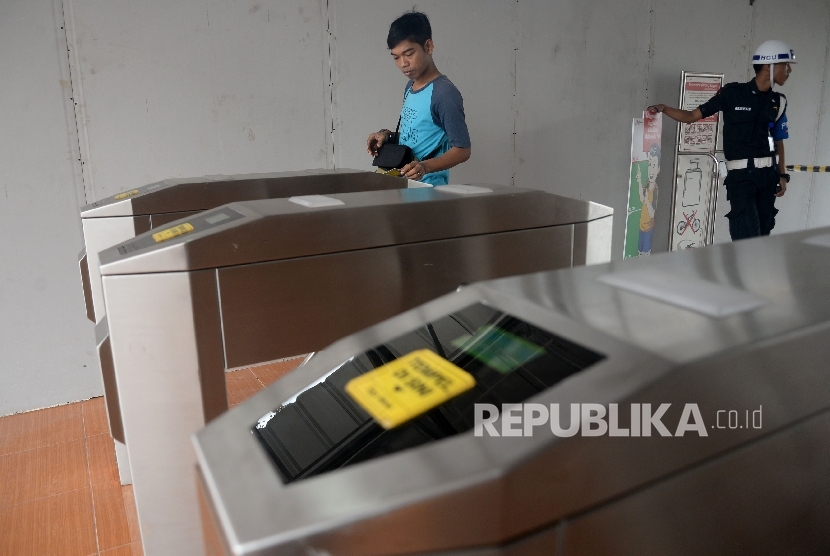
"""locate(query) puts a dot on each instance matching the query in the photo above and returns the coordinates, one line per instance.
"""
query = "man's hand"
(374, 142)
(682, 116)
(783, 183)
(414, 170)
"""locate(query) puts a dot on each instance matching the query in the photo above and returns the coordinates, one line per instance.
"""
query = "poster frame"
(712, 153)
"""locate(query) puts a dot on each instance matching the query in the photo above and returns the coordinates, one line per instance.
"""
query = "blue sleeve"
(781, 131)
(448, 113)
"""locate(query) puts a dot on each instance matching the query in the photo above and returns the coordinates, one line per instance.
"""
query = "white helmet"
(774, 52)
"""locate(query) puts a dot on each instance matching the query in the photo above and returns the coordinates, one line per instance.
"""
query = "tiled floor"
(59, 487)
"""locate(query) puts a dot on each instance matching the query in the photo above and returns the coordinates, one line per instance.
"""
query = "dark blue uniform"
(750, 117)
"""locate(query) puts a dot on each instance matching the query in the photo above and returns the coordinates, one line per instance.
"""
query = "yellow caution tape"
(802, 168)
(408, 387)
(175, 231)
(126, 194)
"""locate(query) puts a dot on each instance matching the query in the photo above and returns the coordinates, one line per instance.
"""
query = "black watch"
(786, 177)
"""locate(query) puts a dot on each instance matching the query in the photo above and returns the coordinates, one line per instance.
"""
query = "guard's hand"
(414, 170)
(374, 142)
(655, 108)
(783, 183)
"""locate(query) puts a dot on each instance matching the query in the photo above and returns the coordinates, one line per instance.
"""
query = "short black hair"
(758, 68)
(411, 26)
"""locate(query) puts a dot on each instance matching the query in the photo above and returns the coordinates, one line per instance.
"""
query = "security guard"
(754, 129)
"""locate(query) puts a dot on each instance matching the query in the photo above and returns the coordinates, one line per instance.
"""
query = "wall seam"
(822, 110)
(77, 100)
(333, 110)
(69, 108)
(514, 100)
(650, 58)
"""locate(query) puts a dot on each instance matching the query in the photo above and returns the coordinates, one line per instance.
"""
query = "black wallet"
(391, 155)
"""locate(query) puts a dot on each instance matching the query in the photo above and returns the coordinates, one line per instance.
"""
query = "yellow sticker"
(126, 194)
(175, 231)
(408, 387)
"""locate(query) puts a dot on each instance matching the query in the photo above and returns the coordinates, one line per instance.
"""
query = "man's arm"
(682, 116)
(782, 165)
(456, 155)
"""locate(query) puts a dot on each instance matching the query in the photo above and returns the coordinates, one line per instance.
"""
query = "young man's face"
(412, 58)
(781, 72)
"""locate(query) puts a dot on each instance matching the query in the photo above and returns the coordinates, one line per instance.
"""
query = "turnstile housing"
(740, 331)
(257, 281)
(125, 215)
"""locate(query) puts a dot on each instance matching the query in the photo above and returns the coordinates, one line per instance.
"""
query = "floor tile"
(241, 385)
(111, 524)
(95, 417)
(42, 472)
(133, 549)
(270, 372)
(60, 525)
(103, 466)
(44, 427)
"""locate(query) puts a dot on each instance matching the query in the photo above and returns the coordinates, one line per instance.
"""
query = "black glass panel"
(324, 429)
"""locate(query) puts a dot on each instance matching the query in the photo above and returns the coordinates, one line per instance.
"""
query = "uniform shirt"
(748, 117)
(432, 121)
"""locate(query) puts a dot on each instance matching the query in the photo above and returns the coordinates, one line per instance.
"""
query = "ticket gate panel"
(774, 495)
(158, 220)
(428, 499)
(106, 222)
(123, 216)
(287, 230)
(83, 267)
(99, 234)
(257, 300)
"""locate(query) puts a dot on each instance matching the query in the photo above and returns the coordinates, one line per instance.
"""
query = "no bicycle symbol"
(689, 222)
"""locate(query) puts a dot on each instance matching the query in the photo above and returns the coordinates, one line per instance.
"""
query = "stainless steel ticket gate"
(121, 217)
(257, 281)
(678, 404)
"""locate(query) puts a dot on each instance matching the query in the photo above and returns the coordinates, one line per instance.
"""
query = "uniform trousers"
(751, 195)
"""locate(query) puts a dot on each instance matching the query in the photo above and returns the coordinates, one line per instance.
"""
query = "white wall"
(195, 87)
(46, 343)
(199, 87)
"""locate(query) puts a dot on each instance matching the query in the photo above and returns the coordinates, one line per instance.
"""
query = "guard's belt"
(743, 163)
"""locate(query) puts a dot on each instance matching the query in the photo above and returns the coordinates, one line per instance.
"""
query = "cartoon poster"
(693, 185)
(646, 134)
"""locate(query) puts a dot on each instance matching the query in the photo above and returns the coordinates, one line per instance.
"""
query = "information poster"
(692, 202)
(695, 184)
(646, 134)
(701, 135)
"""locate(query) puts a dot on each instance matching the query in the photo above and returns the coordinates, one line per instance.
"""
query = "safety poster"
(695, 169)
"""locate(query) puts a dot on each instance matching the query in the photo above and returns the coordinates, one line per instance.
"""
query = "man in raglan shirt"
(432, 118)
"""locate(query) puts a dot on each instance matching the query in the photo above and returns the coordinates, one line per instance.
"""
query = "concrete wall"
(46, 343)
(195, 87)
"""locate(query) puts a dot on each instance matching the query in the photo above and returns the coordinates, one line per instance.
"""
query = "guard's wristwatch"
(786, 177)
